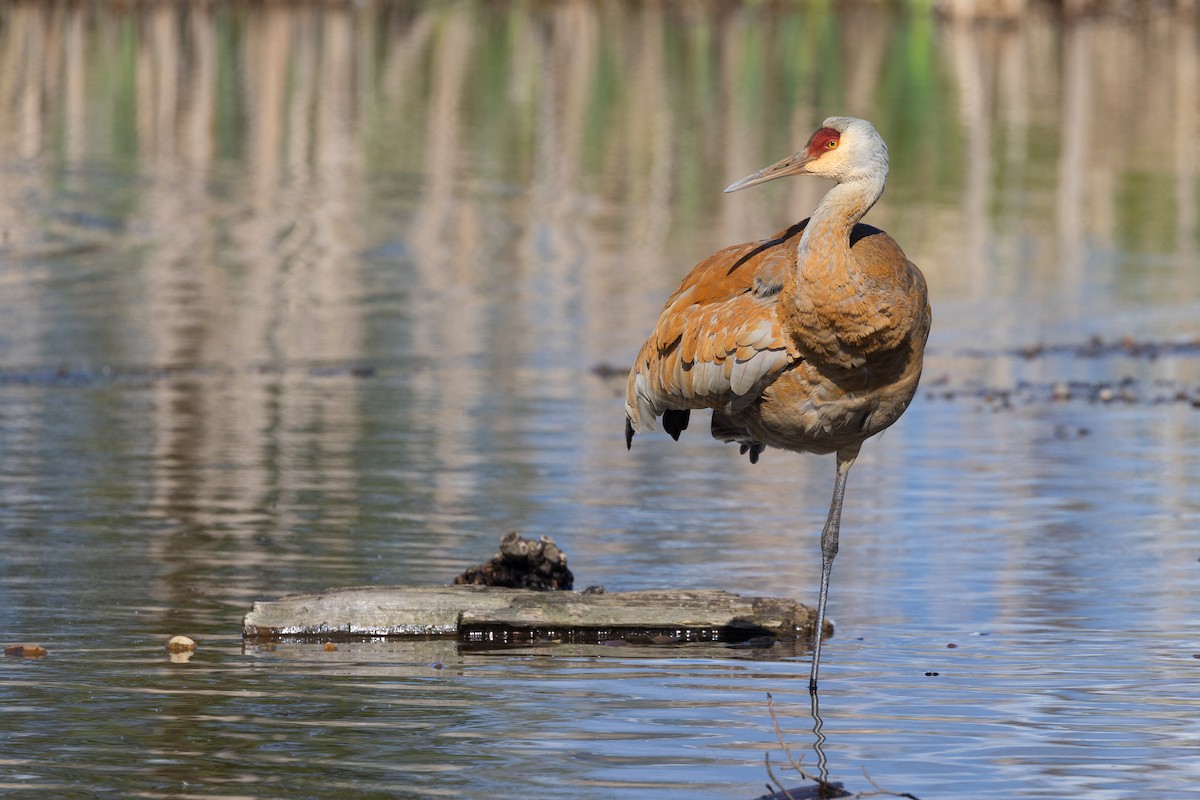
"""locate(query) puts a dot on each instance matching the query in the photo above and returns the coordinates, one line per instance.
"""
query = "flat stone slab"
(496, 616)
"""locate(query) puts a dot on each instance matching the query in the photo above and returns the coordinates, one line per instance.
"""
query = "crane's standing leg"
(829, 548)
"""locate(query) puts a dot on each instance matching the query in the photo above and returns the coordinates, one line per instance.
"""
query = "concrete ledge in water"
(490, 616)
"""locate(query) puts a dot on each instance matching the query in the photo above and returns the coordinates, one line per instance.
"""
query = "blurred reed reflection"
(475, 198)
(609, 124)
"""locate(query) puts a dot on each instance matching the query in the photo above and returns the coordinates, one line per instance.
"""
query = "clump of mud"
(523, 564)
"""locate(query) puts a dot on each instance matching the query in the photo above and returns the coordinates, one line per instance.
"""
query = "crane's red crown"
(824, 139)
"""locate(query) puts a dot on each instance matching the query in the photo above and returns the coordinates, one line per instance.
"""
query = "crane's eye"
(831, 144)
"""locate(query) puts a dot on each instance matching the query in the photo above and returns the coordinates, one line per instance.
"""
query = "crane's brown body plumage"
(810, 341)
(811, 368)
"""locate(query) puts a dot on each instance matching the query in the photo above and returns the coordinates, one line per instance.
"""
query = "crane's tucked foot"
(753, 449)
(675, 421)
(726, 429)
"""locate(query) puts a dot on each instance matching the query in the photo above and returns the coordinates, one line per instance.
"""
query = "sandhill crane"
(810, 341)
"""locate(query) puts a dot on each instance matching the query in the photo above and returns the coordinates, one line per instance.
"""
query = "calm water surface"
(296, 297)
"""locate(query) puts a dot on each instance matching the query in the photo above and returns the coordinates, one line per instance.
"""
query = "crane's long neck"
(822, 306)
(825, 244)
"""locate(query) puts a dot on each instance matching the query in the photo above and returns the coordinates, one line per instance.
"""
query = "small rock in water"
(181, 644)
(523, 564)
(330, 647)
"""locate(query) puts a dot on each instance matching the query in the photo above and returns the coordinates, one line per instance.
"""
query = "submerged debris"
(25, 650)
(818, 791)
(1098, 347)
(523, 564)
(1125, 391)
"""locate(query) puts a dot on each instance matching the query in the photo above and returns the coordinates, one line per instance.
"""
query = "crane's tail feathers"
(640, 414)
(675, 422)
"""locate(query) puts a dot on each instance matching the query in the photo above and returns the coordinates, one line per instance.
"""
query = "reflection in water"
(819, 738)
(297, 295)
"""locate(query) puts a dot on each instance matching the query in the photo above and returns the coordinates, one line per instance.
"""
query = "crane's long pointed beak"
(795, 164)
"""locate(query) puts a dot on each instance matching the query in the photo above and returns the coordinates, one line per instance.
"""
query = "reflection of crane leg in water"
(819, 740)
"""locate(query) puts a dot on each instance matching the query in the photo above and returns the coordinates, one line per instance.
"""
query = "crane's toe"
(753, 449)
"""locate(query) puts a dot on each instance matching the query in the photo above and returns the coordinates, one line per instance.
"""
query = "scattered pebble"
(181, 644)
(951, 645)
(330, 647)
(1070, 432)
(931, 674)
(436, 665)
